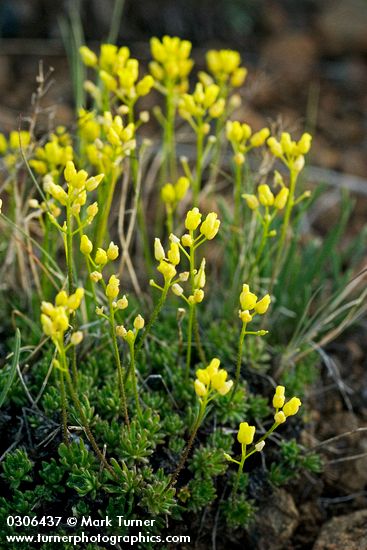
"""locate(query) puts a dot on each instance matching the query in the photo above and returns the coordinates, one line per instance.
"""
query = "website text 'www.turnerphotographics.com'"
(141, 531)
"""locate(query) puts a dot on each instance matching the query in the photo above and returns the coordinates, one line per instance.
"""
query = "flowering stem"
(240, 470)
(192, 309)
(103, 218)
(85, 423)
(133, 377)
(169, 168)
(69, 247)
(260, 251)
(239, 360)
(120, 370)
(237, 194)
(199, 164)
(153, 317)
(188, 447)
(189, 341)
(69, 262)
(64, 414)
(286, 220)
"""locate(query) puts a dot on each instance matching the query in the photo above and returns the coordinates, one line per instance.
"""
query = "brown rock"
(276, 522)
(349, 532)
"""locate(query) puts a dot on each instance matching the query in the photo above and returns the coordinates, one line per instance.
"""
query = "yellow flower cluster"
(289, 151)
(78, 184)
(101, 258)
(287, 409)
(118, 72)
(242, 139)
(212, 381)
(120, 140)
(202, 105)
(168, 262)
(266, 198)
(53, 156)
(172, 194)
(9, 148)
(130, 335)
(250, 305)
(55, 317)
(171, 63)
(224, 66)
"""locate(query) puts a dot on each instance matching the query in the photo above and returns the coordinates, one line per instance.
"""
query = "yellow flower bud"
(304, 144)
(246, 433)
(76, 337)
(187, 240)
(174, 254)
(61, 298)
(260, 137)
(193, 219)
(122, 303)
(259, 446)
(245, 316)
(168, 270)
(95, 276)
(219, 378)
(101, 257)
(234, 131)
(89, 58)
(217, 109)
(184, 276)
(75, 299)
(200, 388)
(238, 77)
(275, 147)
(112, 288)
(203, 375)
(239, 159)
(278, 399)
(139, 322)
(266, 197)
(210, 226)
(279, 417)
(70, 171)
(251, 201)
(92, 211)
(281, 199)
(108, 81)
(181, 187)
(112, 251)
(299, 163)
(121, 331)
(262, 305)
(129, 337)
(145, 85)
(213, 366)
(225, 388)
(159, 253)
(177, 289)
(199, 279)
(286, 143)
(92, 183)
(168, 193)
(198, 295)
(292, 406)
(86, 245)
(247, 299)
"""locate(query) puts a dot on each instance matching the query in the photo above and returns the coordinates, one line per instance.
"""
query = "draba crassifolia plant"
(130, 371)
